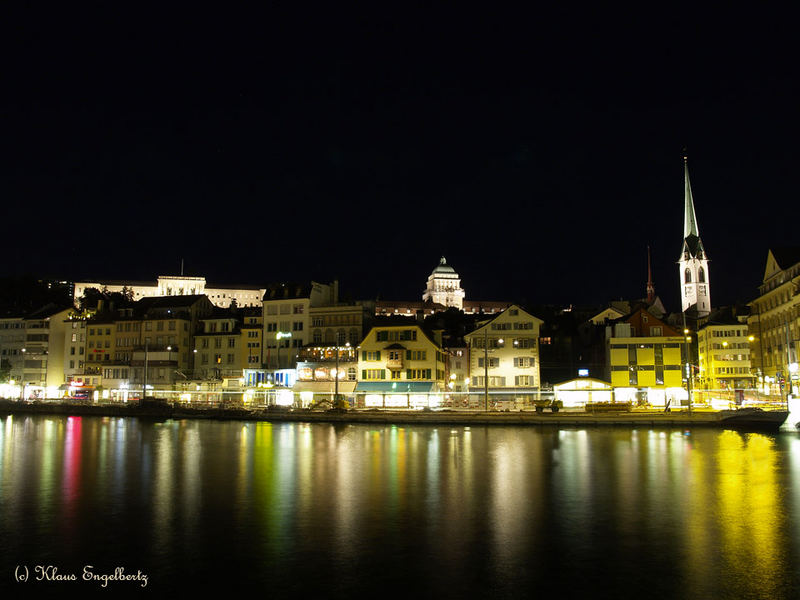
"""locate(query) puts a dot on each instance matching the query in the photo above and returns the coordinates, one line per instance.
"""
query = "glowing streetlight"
(336, 375)
(22, 378)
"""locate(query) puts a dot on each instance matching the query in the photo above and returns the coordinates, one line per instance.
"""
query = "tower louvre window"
(687, 276)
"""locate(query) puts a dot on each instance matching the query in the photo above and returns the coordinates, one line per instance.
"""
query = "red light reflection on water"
(71, 481)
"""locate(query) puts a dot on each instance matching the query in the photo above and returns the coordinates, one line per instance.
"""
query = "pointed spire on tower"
(651, 290)
(689, 218)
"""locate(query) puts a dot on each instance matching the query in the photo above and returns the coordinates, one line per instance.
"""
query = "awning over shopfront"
(395, 387)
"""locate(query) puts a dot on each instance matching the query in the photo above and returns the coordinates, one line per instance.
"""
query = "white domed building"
(444, 287)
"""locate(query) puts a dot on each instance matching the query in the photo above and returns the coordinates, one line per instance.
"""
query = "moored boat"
(753, 419)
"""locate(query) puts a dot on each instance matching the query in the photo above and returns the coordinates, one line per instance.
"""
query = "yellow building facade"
(647, 370)
(400, 366)
(724, 357)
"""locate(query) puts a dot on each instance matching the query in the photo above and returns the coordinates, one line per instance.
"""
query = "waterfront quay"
(756, 419)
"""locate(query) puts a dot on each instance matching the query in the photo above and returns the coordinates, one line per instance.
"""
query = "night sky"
(541, 153)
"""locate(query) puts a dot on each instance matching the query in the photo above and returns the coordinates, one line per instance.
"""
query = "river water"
(333, 511)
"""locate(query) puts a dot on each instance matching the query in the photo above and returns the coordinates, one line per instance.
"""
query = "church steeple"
(651, 289)
(693, 263)
(689, 218)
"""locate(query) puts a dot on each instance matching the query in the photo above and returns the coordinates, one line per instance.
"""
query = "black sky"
(539, 152)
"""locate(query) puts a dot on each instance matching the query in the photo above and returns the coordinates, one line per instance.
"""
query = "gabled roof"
(635, 318)
(494, 318)
(396, 323)
(609, 312)
(786, 256)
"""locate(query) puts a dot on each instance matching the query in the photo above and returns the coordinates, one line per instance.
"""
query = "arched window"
(687, 276)
(701, 275)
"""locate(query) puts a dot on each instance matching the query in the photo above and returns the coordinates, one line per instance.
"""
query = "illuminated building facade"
(12, 341)
(32, 350)
(723, 346)
(401, 366)
(178, 285)
(774, 323)
(157, 331)
(318, 368)
(507, 349)
(442, 291)
(219, 348)
(645, 358)
(252, 344)
(444, 287)
(287, 323)
(339, 322)
(74, 348)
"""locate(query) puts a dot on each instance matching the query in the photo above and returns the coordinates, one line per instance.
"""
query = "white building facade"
(444, 287)
(178, 285)
(506, 350)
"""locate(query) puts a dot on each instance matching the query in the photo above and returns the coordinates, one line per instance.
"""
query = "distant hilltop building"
(442, 291)
(444, 286)
(178, 285)
(693, 263)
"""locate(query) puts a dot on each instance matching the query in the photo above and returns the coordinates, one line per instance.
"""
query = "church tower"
(693, 264)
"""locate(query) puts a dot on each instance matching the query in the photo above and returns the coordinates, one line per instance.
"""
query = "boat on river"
(753, 419)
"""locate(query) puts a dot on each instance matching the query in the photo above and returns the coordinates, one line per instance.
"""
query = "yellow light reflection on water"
(735, 519)
(749, 500)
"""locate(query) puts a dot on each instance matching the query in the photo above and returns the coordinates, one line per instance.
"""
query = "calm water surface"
(302, 510)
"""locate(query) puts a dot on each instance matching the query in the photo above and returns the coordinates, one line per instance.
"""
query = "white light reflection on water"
(164, 475)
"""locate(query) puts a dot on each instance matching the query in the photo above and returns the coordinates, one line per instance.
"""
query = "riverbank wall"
(680, 419)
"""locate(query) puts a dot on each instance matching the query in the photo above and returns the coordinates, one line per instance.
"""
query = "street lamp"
(336, 375)
(688, 363)
(144, 379)
(486, 368)
(22, 379)
(169, 361)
